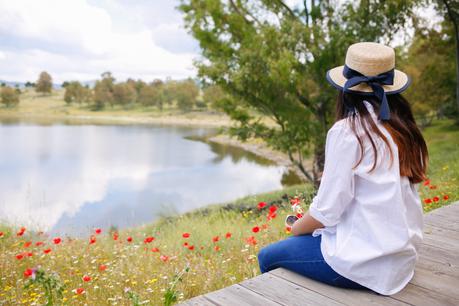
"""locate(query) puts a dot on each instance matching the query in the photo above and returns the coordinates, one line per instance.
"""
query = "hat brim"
(401, 82)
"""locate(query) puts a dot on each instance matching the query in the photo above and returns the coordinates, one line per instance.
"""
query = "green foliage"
(45, 83)
(185, 93)
(9, 96)
(51, 284)
(75, 92)
(170, 297)
(124, 93)
(214, 96)
(429, 63)
(152, 94)
(272, 59)
(103, 91)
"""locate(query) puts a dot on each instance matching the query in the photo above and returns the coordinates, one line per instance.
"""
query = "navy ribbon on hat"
(375, 82)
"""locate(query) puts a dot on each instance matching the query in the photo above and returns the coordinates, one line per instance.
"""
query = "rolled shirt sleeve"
(336, 188)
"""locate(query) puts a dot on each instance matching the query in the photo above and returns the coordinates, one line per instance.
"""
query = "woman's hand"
(305, 225)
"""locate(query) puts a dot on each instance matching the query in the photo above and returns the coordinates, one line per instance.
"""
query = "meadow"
(183, 256)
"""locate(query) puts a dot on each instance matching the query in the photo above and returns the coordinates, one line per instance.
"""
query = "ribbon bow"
(375, 82)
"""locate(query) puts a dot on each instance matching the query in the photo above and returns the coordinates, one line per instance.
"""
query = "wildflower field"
(178, 257)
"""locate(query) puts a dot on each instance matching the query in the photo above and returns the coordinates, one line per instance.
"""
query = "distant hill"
(22, 84)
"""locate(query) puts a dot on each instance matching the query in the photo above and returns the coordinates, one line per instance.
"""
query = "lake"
(68, 179)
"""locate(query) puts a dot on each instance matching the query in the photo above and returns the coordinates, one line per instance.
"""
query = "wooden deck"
(436, 279)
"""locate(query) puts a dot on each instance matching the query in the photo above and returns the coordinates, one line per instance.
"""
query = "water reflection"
(70, 178)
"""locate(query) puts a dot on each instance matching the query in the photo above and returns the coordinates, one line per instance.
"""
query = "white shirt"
(373, 221)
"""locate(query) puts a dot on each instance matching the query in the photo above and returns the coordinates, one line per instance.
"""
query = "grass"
(118, 272)
(51, 108)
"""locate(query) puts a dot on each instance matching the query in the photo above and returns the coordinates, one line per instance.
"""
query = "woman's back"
(379, 225)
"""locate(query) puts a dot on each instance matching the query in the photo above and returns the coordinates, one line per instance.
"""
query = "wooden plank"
(436, 281)
(444, 217)
(445, 241)
(439, 268)
(284, 292)
(238, 295)
(434, 253)
(449, 211)
(197, 301)
(419, 296)
(345, 296)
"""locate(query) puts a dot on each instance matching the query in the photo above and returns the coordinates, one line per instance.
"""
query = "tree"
(452, 9)
(431, 71)
(152, 94)
(214, 96)
(273, 58)
(9, 96)
(186, 93)
(124, 94)
(103, 91)
(75, 92)
(44, 83)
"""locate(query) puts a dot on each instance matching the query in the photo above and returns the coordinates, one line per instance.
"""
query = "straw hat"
(369, 69)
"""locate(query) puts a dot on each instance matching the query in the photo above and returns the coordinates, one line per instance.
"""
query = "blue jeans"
(302, 254)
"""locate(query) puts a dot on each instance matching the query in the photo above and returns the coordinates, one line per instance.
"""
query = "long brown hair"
(412, 148)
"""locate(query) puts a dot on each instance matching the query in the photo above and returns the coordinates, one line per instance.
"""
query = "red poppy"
(186, 235)
(27, 244)
(129, 239)
(149, 239)
(164, 258)
(19, 256)
(1, 234)
(92, 239)
(79, 290)
(251, 240)
(433, 187)
(98, 231)
(295, 201)
(185, 244)
(271, 216)
(445, 197)
(21, 231)
(272, 208)
(47, 251)
(215, 239)
(288, 229)
(216, 248)
(427, 201)
(261, 205)
(28, 273)
(115, 236)
(191, 247)
(102, 267)
(228, 235)
(427, 182)
(57, 240)
(86, 278)
(155, 250)
(255, 229)
(38, 243)
(436, 199)
(29, 254)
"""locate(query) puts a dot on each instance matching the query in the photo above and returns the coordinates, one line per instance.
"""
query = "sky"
(80, 39)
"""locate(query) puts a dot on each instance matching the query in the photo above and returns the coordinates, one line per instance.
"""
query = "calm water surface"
(68, 179)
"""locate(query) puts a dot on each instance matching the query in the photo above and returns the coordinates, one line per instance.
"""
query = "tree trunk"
(454, 16)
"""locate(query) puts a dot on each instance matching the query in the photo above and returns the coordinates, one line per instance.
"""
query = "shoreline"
(259, 148)
(189, 119)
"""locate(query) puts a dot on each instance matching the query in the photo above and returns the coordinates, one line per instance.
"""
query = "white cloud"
(79, 40)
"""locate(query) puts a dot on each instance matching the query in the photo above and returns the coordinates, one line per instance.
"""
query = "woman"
(365, 223)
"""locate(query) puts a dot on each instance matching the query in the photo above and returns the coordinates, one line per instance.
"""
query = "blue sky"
(80, 39)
